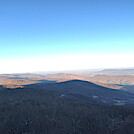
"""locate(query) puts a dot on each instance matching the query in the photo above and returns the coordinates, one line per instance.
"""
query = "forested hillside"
(38, 111)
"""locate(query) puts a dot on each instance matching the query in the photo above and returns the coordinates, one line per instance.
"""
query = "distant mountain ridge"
(19, 80)
(111, 72)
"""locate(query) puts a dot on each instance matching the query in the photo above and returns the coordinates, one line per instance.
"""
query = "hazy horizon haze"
(65, 35)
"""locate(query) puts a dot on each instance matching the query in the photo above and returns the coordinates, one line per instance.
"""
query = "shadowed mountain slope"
(87, 89)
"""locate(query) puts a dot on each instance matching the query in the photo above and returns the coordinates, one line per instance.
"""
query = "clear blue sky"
(30, 28)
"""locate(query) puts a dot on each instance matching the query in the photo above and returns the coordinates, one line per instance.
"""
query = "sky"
(51, 35)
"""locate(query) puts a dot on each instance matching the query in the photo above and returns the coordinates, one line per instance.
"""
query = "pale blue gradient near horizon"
(39, 28)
